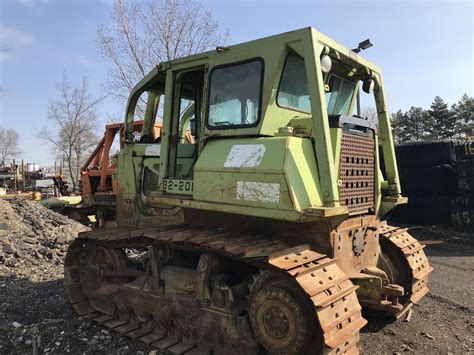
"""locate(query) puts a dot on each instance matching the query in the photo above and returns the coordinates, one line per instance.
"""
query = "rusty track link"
(332, 293)
(416, 260)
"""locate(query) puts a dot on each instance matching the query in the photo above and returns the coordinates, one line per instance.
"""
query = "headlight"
(326, 63)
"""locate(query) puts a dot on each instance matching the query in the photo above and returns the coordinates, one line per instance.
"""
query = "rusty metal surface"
(356, 245)
(419, 267)
(357, 173)
(331, 292)
(337, 309)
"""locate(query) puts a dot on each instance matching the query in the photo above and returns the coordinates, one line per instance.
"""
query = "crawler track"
(337, 310)
(416, 261)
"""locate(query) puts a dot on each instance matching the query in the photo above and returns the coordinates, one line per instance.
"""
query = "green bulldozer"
(254, 223)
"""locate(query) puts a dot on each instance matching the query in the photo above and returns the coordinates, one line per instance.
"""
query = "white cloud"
(10, 40)
(9, 37)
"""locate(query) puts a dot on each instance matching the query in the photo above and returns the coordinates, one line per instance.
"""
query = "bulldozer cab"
(231, 112)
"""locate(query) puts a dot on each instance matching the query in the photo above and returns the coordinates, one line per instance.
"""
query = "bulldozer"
(265, 232)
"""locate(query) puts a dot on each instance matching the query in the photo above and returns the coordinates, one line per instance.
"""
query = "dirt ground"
(443, 322)
(35, 317)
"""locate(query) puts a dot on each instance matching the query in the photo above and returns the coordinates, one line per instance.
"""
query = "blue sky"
(424, 47)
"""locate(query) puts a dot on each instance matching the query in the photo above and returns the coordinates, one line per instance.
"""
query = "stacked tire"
(463, 205)
(427, 172)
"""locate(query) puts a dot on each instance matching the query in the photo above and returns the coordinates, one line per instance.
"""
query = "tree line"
(438, 122)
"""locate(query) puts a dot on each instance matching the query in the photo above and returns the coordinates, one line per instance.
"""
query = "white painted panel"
(245, 156)
(258, 191)
(153, 150)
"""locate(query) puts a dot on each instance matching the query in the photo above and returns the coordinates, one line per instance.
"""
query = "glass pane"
(187, 114)
(235, 95)
(334, 85)
(293, 91)
(345, 97)
(340, 95)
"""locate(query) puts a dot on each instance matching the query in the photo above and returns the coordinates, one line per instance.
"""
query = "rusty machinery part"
(281, 318)
(188, 289)
(359, 240)
(100, 218)
(405, 263)
(77, 215)
(103, 216)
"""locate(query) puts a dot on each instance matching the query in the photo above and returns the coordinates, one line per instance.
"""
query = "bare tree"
(370, 113)
(74, 122)
(144, 33)
(9, 145)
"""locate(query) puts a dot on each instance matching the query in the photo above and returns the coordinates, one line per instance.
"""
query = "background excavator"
(98, 184)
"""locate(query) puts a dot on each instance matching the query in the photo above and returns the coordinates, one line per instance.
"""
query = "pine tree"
(410, 126)
(442, 120)
(397, 123)
(418, 119)
(464, 112)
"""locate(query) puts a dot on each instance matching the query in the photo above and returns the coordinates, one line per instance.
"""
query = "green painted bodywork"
(295, 179)
(288, 162)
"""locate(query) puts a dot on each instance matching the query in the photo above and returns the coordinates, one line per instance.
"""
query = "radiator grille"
(356, 174)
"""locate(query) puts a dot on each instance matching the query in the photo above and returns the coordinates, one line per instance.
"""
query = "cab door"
(183, 140)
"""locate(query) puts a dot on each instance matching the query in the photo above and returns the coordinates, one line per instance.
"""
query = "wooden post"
(22, 175)
(15, 181)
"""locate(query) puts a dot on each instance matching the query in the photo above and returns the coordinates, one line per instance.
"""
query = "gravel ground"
(443, 322)
(35, 317)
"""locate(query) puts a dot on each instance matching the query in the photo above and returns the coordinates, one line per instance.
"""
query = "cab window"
(293, 91)
(339, 96)
(235, 95)
(188, 112)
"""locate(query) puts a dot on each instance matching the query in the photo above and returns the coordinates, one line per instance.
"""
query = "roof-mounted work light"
(363, 46)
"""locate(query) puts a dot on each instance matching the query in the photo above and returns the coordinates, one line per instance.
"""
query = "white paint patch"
(258, 191)
(153, 150)
(245, 156)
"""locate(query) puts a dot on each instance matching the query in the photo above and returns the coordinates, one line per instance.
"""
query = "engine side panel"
(276, 172)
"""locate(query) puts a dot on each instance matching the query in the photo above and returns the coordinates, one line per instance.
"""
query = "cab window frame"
(260, 96)
(287, 107)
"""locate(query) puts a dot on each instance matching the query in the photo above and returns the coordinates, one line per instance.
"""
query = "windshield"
(339, 96)
(234, 97)
(293, 92)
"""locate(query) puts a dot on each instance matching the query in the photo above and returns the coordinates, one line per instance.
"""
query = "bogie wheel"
(283, 320)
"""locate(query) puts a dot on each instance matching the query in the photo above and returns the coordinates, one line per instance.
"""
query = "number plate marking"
(178, 186)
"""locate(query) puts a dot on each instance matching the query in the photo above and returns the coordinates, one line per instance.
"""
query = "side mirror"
(368, 85)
